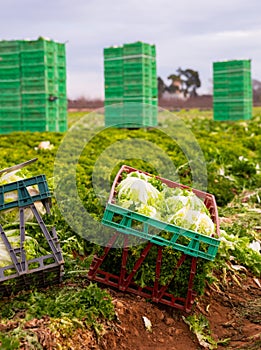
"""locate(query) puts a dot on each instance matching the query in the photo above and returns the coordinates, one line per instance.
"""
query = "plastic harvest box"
(187, 241)
(41, 271)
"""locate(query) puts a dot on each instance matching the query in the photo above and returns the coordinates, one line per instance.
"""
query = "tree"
(190, 81)
(175, 85)
(161, 87)
(185, 82)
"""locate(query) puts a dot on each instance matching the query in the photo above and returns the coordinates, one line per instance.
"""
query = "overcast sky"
(187, 34)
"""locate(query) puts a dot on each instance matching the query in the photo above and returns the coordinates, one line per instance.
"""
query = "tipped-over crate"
(191, 245)
(41, 271)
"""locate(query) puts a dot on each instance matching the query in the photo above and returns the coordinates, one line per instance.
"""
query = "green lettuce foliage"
(177, 206)
(9, 220)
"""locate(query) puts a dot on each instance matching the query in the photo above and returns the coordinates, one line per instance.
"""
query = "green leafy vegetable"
(136, 189)
(177, 206)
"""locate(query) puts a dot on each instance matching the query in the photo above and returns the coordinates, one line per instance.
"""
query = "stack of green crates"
(131, 93)
(113, 84)
(232, 90)
(10, 97)
(41, 87)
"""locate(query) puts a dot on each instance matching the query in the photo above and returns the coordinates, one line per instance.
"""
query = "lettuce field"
(221, 158)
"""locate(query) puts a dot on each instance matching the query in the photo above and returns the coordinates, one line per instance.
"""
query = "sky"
(187, 34)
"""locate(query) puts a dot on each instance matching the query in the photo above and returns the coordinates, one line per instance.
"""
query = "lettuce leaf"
(136, 190)
(181, 207)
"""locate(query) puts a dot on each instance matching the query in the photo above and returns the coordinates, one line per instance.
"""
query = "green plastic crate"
(113, 82)
(40, 44)
(153, 50)
(61, 73)
(9, 128)
(231, 74)
(232, 86)
(9, 86)
(234, 80)
(113, 113)
(112, 101)
(231, 65)
(34, 126)
(52, 127)
(62, 116)
(154, 92)
(112, 52)
(141, 117)
(36, 85)
(232, 89)
(31, 58)
(57, 125)
(10, 73)
(24, 197)
(8, 46)
(242, 83)
(138, 100)
(154, 101)
(9, 123)
(113, 72)
(60, 61)
(12, 113)
(113, 64)
(62, 126)
(231, 95)
(137, 48)
(113, 92)
(60, 49)
(137, 90)
(62, 93)
(136, 107)
(35, 113)
(52, 113)
(114, 110)
(10, 100)
(62, 103)
(138, 79)
(123, 124)
(137, 69)
(39, 71)
(39, 100)
(198, 245)
(9, 59)
(234, 112)
(232, 116)
(56, 118)
(187, 241)
(118, 123)
(232, 104)
(36, 99)
(132, 60)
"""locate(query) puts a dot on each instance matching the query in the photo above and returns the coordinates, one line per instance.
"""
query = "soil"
(233, 313)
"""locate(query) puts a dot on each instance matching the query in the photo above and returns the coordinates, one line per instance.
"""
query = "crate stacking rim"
(123, 221)
(25, 273)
